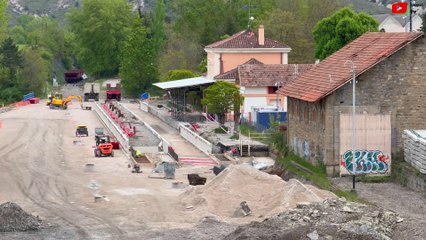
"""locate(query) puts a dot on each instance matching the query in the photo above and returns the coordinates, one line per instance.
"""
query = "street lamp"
(278, 85)
(353, 123)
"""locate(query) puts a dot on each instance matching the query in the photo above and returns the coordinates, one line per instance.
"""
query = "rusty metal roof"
(332, 73)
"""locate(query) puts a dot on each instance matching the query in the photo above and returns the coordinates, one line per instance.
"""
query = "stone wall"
(306, 129)
(395, 86)
(410, 177)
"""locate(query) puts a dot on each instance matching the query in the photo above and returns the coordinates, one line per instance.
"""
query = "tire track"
(46, 180)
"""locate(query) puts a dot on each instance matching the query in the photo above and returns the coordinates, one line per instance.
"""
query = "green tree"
(44, 33)
(158, 25)
(200, 23)
(292, 22)
(11, 61)
(3, 19)
(100, 28)
(179, 53)
(178, 74)
(334, 32)
(35, 72)
(222, 97)
(138, 69)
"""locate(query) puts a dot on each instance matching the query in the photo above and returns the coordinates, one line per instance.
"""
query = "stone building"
(390, 96)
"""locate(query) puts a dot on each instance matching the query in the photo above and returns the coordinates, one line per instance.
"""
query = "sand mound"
(265, 194)
(14, 219)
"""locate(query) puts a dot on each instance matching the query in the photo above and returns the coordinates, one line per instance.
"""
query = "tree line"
(108, 38)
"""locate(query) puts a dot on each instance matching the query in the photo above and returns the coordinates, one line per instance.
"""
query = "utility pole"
(353, 123)
(411, 15)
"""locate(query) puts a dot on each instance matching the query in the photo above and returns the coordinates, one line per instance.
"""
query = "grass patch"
(245, 130)
(235, 137)
(220, 130)
(315, 174)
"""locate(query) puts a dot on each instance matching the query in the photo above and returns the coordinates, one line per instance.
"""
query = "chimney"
(261, 35)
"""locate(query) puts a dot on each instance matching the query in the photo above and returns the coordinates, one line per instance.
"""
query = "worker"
(138, 153)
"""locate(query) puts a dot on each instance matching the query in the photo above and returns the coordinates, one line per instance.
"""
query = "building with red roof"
(390, 95)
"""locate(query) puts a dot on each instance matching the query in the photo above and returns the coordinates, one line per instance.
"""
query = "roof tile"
(263, 75)
(246, 39)
(332, 73)
(233, 73)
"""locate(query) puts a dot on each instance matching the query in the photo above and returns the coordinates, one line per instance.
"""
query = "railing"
(164, 144)
(199, 142)
(115, 130)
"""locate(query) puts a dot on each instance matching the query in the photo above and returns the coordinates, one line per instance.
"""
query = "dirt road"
(43, 164)
(410, 205)
(42, 168)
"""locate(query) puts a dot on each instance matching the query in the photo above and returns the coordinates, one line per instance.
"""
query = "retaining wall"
(163, 144)
(199, 142)
(114, 129)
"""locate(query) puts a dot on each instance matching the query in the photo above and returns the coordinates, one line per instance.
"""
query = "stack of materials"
(415, 148)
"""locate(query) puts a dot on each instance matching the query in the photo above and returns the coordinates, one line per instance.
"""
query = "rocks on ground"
(14, 219)
(331, 219)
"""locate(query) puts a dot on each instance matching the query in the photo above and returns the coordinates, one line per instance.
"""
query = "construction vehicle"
(74, 76)
(91, 92)
(103, 146)
(56, 101)
(81, 130)
(113, 92)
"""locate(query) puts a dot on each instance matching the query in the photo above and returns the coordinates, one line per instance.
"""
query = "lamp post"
(278, 85)
(353, 123)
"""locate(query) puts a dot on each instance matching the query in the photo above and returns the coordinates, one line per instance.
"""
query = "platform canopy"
(188, 82)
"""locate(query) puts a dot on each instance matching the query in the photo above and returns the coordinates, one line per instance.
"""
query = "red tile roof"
(246, 39)
(233, 73)
(264, 75)
(332, 73)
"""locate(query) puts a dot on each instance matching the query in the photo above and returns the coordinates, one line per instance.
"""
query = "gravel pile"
(331, 219)
(14, 219)
(266, 195)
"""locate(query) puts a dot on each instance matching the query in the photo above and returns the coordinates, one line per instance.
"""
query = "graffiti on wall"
(366, 161)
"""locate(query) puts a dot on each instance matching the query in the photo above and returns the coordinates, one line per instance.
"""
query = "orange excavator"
(104, 147)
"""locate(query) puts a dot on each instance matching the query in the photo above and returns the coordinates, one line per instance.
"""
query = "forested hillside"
(141, 41)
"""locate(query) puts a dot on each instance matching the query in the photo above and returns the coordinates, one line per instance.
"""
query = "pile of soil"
(266, 195)
(14, 219)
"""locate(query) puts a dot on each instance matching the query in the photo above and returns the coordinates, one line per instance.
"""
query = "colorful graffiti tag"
(366, 161)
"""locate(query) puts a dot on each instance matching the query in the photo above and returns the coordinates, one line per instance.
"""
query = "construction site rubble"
(267, 195)
(14, 219)
(330, 219)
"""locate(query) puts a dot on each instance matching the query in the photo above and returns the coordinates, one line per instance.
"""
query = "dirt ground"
(43, 166)
(410, 205)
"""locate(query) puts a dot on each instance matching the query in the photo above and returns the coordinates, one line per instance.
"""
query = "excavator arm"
(69, 98)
